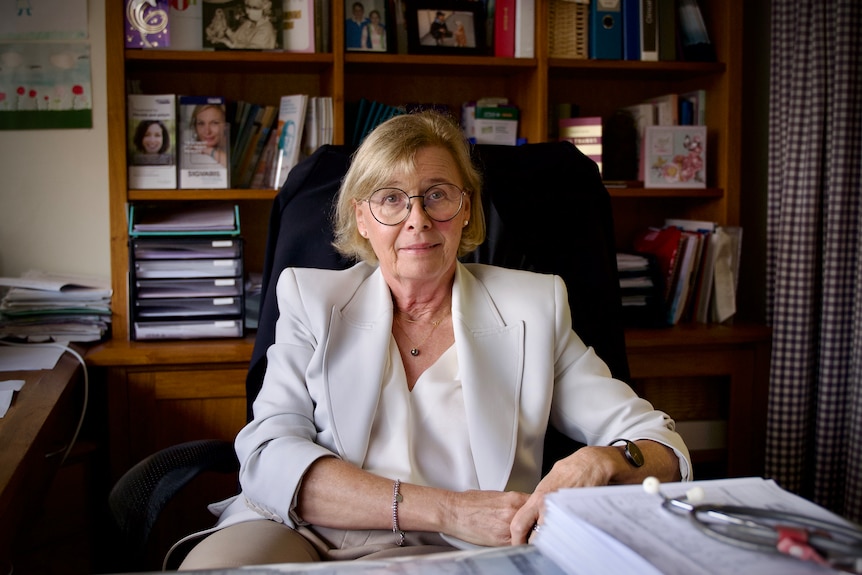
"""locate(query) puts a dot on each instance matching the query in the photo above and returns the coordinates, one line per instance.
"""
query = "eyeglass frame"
(410, 203)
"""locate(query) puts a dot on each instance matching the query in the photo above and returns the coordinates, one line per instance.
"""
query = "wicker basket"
(568, 22)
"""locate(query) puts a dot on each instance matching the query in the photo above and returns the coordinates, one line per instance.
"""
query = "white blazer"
(520, 365)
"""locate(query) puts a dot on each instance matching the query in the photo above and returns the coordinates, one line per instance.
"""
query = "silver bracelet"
(396, 499)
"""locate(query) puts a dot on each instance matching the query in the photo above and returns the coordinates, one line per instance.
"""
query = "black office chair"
(546, 210)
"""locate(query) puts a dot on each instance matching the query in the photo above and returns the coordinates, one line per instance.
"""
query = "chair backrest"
(546, 210)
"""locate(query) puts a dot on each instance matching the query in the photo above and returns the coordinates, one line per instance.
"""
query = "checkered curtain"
(814, 252)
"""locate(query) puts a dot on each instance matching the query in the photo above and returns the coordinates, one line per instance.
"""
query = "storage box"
(568, 25)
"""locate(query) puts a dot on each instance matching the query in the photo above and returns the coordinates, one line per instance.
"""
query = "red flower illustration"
(78, 90)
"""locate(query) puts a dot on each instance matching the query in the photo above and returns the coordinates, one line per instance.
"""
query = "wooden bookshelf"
(535, 85)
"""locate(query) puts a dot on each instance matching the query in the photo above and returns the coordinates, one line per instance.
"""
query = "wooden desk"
(34, 435)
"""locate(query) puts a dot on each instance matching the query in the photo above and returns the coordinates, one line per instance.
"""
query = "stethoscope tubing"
(757, 529)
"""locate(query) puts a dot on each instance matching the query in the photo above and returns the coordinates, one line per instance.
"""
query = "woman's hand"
(483, 517)
(592, 466)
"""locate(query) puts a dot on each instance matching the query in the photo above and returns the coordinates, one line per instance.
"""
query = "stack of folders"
(641, 290)
(187, 273)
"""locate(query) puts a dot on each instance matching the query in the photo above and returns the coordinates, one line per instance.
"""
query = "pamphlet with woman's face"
(204, 141)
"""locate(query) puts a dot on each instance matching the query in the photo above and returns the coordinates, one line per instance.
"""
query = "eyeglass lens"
(391, 206)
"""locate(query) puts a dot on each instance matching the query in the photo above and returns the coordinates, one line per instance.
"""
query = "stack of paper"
(624, 530)
(46, 307)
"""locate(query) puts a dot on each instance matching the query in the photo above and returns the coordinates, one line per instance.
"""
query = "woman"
(406, 399)
(208, 124)
(152, 143)
(374, 33)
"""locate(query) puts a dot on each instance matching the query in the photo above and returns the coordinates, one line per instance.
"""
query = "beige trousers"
(263, 542)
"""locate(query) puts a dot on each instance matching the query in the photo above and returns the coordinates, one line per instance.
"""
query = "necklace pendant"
(414, 352)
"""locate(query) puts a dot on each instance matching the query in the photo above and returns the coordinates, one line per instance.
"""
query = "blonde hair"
(391, 147)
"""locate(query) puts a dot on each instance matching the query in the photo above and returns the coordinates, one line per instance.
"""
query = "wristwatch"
(632, 452)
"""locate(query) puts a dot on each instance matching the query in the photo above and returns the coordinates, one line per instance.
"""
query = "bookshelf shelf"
(191, 195)
(643, 193)
(635, 67)
(227, 57)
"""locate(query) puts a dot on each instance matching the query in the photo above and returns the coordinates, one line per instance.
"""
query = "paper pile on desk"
(584, 529)
(45, 307)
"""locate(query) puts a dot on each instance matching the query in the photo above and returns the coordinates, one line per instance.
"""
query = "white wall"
(54, 186)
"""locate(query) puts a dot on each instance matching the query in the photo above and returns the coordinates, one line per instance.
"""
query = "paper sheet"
(7, 390)
(29, 357)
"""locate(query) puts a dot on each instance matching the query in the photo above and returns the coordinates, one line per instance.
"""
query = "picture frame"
(369, 26)
(228, 25)
(446, 27)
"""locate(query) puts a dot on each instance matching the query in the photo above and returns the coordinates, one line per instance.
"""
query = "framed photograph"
(446, 27)
(369, 26)
(241, 24)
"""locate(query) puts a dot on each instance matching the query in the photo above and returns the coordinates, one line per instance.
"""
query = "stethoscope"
(800, 536)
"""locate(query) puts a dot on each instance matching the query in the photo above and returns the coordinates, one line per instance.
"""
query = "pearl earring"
(466, 222)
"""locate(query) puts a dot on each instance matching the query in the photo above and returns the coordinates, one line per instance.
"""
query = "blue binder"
(631, 30)
(606, 30)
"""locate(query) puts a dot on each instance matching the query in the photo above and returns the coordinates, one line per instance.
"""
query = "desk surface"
(34, 436)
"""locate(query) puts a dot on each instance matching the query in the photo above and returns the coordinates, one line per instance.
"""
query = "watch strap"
(632, 452)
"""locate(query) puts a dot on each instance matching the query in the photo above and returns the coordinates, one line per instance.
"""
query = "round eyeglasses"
(391, 206)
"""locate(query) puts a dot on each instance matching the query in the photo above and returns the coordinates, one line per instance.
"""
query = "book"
(697, 100)
(686, 271)
(586, 134)
(291, 121)
(643, 115)
(322, 26)
(186, 26)
(496, 125)
(675, 157)
(247, 165)
(298, 25)
(666, 109)
(631, 29)
(726, 272)
(152, 152)
(663, 244)
(667, 30)
(504, 28)
(649, 30)
(605, 35)
(147, 24)
(204, 137)
(525, 28)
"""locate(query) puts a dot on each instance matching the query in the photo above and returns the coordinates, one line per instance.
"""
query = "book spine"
(504, 29)
(649, 30)
(298, 25)
(525, 28)
(666, 30)
(631, 30)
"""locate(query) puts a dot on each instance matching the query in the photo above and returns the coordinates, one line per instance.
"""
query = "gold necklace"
(414, 351)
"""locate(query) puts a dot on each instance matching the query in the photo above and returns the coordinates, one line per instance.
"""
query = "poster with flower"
(675, 157)
(45, 86)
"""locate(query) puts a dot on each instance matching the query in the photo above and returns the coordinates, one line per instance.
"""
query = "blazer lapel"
(491, 360)
(356, 355)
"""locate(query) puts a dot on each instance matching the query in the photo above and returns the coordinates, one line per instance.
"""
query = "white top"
(421, 436)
